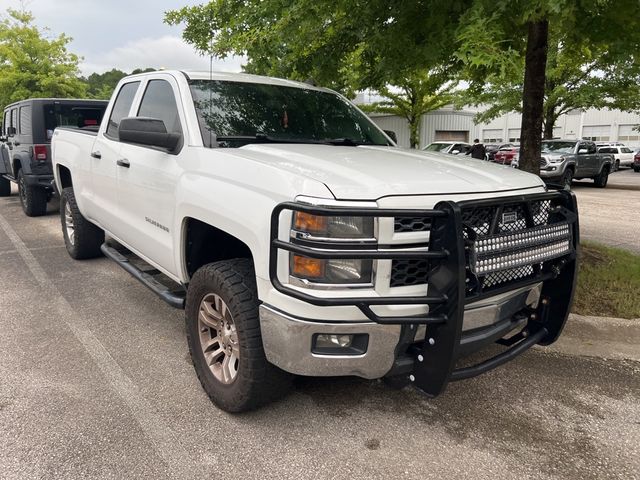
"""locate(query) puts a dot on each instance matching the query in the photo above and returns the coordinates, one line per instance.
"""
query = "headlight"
(322, 230)
(306, 225)
(332, 271)
(556, 160)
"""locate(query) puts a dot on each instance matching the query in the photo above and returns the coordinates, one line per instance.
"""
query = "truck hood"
(369, 173)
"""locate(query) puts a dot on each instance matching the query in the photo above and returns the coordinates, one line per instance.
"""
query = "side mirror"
(455, 152)
(11, 131)
(3, 138)
(148, 131)
(582, 151)
(392, 135)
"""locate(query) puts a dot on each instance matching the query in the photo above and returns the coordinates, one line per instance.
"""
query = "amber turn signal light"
(305, 267)
(305, 222)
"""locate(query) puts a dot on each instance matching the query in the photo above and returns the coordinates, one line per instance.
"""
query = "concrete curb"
(602, 337)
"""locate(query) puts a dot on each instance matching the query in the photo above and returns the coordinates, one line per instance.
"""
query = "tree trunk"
(414, 130)
(550, 118)
(533, 96)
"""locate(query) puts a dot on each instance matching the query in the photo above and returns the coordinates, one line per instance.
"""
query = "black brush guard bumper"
(431, 364)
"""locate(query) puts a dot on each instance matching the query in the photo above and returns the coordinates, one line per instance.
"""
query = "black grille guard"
(448, 254)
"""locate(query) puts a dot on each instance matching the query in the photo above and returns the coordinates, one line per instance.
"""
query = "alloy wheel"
(218, 338)
(69, 225)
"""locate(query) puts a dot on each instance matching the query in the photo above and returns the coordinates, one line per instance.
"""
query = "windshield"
(233, 114)
(558, 147)
(436, 147)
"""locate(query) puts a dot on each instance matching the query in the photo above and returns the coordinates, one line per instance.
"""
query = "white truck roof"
(234, 77)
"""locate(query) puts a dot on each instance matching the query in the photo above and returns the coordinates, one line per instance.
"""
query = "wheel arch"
(204, 243)
(65, 179)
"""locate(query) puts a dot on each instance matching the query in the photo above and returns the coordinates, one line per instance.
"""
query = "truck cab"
(25, 144)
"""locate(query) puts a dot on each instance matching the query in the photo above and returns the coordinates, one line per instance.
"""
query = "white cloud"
(167, 52)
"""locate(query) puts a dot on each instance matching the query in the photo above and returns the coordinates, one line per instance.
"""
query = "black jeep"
(25, 147)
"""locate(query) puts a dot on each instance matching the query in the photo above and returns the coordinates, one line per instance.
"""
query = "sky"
(123, 34)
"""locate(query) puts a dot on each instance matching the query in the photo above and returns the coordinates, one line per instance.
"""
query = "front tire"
(602, 178)
(81, 237)
(223, 333)
(32, 198)
(567, 178)
(5, 187)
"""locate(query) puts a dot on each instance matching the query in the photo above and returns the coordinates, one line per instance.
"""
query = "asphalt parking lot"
(96, 382)
(611, 215)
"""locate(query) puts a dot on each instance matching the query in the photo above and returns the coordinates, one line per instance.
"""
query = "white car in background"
(623, 156)
(452, 148)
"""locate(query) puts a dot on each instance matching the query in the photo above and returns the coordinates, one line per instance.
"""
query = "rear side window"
(70, 115)
(25, 120)
(121, 108)
(160, 102)
(14, 117)
(607, 150)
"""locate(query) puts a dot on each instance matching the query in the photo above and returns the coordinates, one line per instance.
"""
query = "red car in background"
(636, 161)
(505, 155)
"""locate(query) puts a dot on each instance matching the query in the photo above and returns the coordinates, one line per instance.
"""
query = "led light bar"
(518, 249)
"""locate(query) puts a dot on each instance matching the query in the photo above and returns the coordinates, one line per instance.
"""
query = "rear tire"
(616, 166)
(602, 178)
(32, 198)
(223, 325)
(636, 169)
(81, 237)
(5, 187)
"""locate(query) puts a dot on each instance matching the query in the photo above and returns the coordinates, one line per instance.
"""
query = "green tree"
(574, 54)
(418, 94)
(102, 85)
(348, 45)
(32, 65)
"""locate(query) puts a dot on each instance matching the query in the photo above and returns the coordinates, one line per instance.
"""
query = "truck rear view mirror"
(151, 132)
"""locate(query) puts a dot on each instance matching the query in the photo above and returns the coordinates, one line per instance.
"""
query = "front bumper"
(466, 260)
(288, 340)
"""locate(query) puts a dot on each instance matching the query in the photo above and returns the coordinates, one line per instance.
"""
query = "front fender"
(242, 210)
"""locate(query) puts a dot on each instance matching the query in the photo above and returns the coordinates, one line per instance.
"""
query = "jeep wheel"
(5, 187)
(32, 198)
(223, 333)
(602, 178)
(567, 178)
(81, 237)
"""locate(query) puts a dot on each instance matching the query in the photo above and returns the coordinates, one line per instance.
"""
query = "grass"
(608, 282)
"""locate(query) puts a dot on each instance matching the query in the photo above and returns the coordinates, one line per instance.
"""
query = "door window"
(121, 108)
(626, 150)
(159, 102)
(592, 147)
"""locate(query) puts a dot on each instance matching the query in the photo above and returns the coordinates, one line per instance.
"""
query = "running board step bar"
(173, 298)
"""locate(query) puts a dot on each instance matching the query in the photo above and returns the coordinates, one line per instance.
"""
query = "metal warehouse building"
(458, 125)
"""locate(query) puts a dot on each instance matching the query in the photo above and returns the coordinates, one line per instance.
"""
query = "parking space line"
(163, 439)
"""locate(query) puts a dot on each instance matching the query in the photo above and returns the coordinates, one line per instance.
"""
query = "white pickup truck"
(301, 240)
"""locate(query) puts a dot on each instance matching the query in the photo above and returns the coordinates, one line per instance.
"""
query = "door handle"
(123, 162)
(96, 154)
